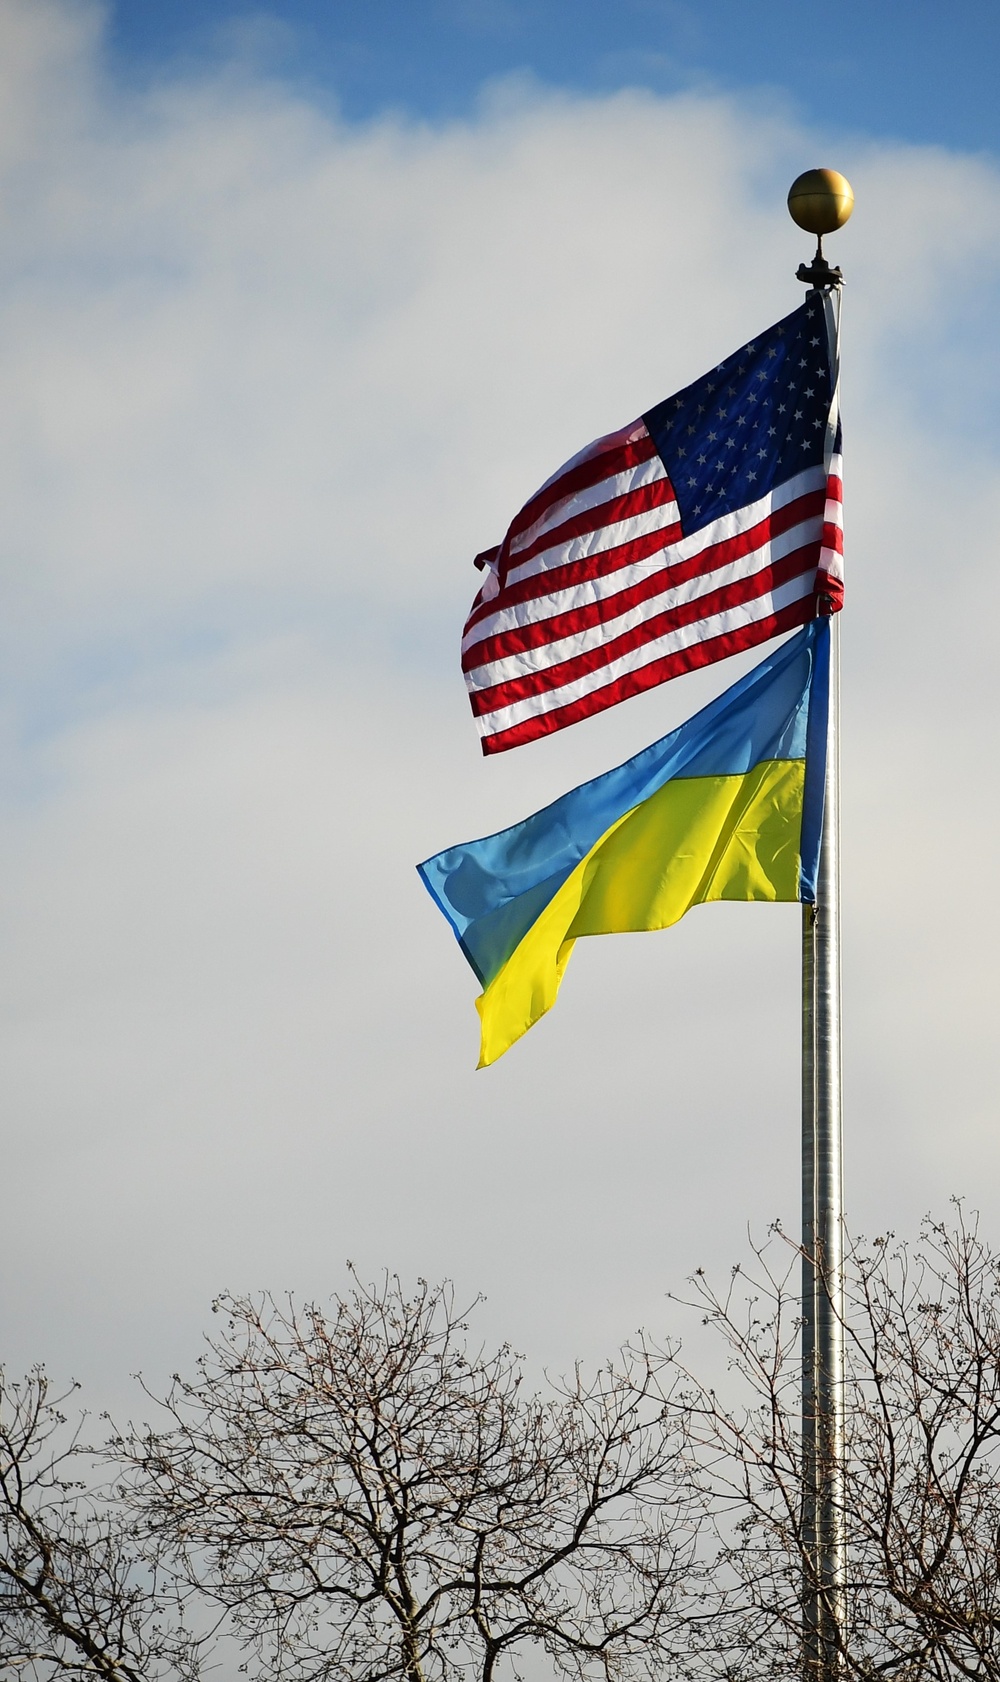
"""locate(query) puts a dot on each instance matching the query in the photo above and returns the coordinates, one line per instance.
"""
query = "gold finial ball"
(820, 200)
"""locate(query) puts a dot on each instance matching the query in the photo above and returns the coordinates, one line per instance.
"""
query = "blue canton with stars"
(756, 420)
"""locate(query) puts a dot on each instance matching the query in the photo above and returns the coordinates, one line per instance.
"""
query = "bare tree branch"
(368, 1498)
(77, 1599)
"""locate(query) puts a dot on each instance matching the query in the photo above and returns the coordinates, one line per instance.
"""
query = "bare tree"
(369, 1498)
(77, 1599)
(922, 1471)
(364, 1496)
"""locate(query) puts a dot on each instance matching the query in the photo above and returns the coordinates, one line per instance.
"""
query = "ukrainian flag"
(728, 806)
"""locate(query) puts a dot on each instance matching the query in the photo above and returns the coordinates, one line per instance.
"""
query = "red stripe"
(832, 589)
(647, 677)
(623, 507)
(734, 594)
(618, 459)
(537, 632)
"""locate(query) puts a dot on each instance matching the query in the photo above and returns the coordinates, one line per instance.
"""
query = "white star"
(730, 442)
(702, 460)
(697, 508)
(712, 437)
(752, 346)
(781, 408)
(797, 415)
(761, 454)
(803, 363)
(721, 413)
(817, 423)
(692, 483)
(772, 353)
(751, 475)
(741, 420)
(731, 390)
(771, 431)
(810, 391)
(805, 443)
(682, 453)
(814, 341)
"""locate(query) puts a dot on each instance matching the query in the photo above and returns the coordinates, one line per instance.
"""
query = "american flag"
(707, 526)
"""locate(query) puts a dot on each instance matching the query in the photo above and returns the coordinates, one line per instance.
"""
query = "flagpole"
(821, 201)
(824, 1545)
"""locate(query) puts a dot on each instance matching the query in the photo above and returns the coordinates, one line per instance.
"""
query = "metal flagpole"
(821, 201)
(824, 1563)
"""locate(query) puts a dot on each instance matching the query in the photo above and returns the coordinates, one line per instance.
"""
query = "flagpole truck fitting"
(820, 201)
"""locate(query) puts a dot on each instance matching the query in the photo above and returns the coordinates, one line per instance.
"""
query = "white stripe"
(580, 502)
(598, 542)
(581, 642)
(540, 608)
(733, 619)
(717, 531)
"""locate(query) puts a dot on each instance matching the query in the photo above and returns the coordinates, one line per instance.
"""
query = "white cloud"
(267, 382)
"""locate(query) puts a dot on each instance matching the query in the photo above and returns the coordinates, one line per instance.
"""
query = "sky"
(908, 71)
(296, 309)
